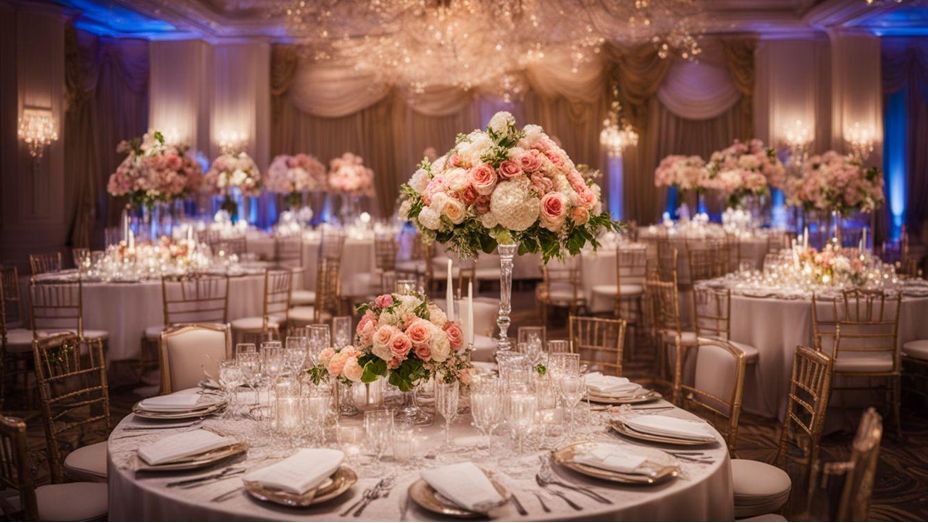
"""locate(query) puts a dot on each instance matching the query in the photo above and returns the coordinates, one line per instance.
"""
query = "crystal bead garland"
(506, 254)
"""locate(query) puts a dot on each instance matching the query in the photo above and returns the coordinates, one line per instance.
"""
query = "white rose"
(441, 347)
(420, 179)
(454, 210)
(429, 218)
(437, 316)
(405, 207)
(501, 121)
(457, 179)
(533, 133)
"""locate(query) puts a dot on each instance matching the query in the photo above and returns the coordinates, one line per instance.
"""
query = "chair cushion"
(72, 501)
(88, 462)
(759, 488)
(686, 337)
(306, 314)
(254, 323)
(917, 349)
(749, 351)
(154, 332)
(19, 340)
(302, 297)
(629, 289)
(766, 517)
(416, 266)
(92, 334)
(864, 362)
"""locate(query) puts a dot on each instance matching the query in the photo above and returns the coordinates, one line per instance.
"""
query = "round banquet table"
(775, 326)
(357, 258)
(703, 492)
(750, 248)
(599, 268)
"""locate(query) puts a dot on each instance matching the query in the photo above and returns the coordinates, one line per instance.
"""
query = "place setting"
(182, 405)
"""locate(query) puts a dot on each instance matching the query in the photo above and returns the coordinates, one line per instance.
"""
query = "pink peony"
(509, 169)
(384, 300)
(580, 215)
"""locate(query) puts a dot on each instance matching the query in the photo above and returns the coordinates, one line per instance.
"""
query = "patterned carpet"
(900, 492)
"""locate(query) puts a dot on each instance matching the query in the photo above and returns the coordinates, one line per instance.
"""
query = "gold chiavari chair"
(631, 231)
(75, 402)
(237, 245)
(667, 259)
(55, 502)
(712, 318)
(328, 295)
(762, 488)
(57, 307)
(383, 279)
(275, 308)
(705, 262)
(631, 270)
(43, 263)
(842, 491)
(288, 251)
(718, 386)
(667, 331)
(15, 341)
(562, 286)
(865, 341)
(332, 245)
(412, 268)
(189, 353)
(599, 342)
(80, 256)
(778, 240)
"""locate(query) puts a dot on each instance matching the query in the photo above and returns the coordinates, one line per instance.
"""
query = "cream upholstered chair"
(718, 387)
(75, 404)
(81, 501)
(15, 341)
(761, 488)
(598, 341)
(191, 351)
(631, 270)
(670, 337)
(915, 367)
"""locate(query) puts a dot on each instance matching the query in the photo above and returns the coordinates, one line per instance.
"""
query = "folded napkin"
(177, 402)
(301, 472)
(668, 426)
(183, 445)
(609, 385)
(464, 484)
(609, 457)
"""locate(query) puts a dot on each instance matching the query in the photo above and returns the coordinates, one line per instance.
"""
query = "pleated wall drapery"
(328, 109)
(904, 63)
(107, 89)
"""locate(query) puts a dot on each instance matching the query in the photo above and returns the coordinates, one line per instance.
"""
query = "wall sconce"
(797, 137)
(231, 142)
(861, 140)
(37, 129)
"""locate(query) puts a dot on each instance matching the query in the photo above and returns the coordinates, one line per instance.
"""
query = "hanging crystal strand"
(506, 254)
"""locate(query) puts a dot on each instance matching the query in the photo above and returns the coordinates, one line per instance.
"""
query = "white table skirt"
(125, 310)
(775, 327)
(704, 493)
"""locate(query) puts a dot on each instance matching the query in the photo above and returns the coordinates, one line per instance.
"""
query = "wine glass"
(295, 353)
(250, 364)
(341, 331)
(522, 406)
(230, 377)
(350, 439)
(378, 429)
(571, 389)
(447, 396)
(320, 338)
(485, 408)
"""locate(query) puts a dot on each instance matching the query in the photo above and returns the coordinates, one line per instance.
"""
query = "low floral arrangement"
(294, 175)
(832, 265)
(745, 169)
(232, 170)
(154, 171)
(504, 185)
(683, 172)
(342, 365)
(406, 338)
(836, 182)
(347, 174)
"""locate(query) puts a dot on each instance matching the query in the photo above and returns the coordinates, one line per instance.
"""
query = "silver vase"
(506, 254)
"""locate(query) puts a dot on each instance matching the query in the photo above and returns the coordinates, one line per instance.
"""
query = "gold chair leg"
(897, 404)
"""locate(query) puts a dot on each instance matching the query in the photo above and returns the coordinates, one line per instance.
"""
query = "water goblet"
(230, 377)
(571, 389)
(522, 406)
(378, 429)
(350, 439)
(250, 365)
(447, 397)
(341, 331)
(316, 402)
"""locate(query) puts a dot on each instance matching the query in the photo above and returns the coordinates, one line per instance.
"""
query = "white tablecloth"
(703, 493)
(751, 248)
(776, 326)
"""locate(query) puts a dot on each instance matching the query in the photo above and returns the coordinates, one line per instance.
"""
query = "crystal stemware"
(447, 396)
(230, 378)
(522, 406)
(378, 429)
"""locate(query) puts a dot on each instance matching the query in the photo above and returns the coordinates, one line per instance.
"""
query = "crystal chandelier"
(617, 134)
(468, 43)
(860, 140)
(37, 130)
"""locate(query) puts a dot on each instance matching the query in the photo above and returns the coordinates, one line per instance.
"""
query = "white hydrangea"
(441, 346)
(488, 220)
(439, 164)
(533, 133)
(437, 316)
(514, 205)
(405, 207)
(429, 218)
(501, 122)
(420, 179)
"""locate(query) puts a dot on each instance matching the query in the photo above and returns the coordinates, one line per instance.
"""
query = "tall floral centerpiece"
(292, 175)
(405, 338)
(745, 170)
(685, 173)
(153, 172)
(233, 171)
(350, 179)
(505, 189)
(838, 185)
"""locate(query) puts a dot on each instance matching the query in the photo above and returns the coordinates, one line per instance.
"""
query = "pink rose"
(483, 178)
(586, 198)
(394, 363)
(337, 364)
(367, 322)
(353, 370)
(529, 162)
(555, 157)
(400, 345)
(541, 183)
(553, 206)
(580, 215)
(509, 169)
(455, 336)
(384, 334)
(469, 195)
(326, 355)
(423, 352)
(383, 301)
(420, 332)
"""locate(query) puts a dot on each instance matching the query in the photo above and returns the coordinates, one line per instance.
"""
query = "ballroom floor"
(900, 492)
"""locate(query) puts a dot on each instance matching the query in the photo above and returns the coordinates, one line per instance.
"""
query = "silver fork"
(546, 476)
(367, 493)
(385, 487)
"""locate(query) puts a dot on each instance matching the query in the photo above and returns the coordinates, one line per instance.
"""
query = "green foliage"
(410, 372)
(374, 368)
(541, 369)
(159, 137)
(317, 374)
(422, 310)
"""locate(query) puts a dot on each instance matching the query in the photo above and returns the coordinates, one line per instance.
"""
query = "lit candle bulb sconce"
(860, 140)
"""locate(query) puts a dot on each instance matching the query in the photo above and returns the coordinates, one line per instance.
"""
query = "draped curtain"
(107, 89)
(327, 109)
(905, 66)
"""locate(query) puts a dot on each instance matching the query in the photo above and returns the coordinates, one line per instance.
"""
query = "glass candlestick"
(506, 254)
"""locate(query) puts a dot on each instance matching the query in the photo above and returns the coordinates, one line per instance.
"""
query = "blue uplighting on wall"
(895, 157)
(111, 19)
(614, 169)
(671, 206)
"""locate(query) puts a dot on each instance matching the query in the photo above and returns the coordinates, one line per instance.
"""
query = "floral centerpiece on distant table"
(836, 182)
(348, 174)
(153, 171)
(683, 172)
(745, 169)
(832, 265)
(233, 171)
(292, 175)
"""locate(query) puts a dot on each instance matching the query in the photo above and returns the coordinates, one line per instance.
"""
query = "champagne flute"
(341, 331)
(522, 407)
(571, 389)
(250, 365)
(378, 429)
(447, 396)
